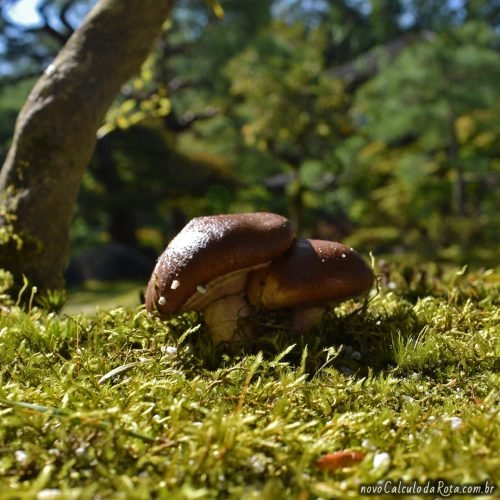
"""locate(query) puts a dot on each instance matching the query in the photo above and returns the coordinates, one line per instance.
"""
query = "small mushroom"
(307, 278)
(205, 267)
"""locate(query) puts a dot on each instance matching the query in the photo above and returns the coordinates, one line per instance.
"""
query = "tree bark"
(55, 132)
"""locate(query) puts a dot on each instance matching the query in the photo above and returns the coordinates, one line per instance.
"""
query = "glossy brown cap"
(311, 272)
(209, 248)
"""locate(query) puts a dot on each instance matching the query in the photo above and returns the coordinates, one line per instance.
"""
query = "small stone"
(81, 451)
(21, 457)
(381, 460)
(49, 494)
(455, 423)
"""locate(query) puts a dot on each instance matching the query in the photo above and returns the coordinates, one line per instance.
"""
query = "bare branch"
(181, 124)
(49, 30)
(63, 15)
(368, 64)
(47, 27)
(176, 84)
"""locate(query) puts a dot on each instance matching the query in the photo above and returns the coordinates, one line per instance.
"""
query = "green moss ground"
(117, 404)
(95, 295)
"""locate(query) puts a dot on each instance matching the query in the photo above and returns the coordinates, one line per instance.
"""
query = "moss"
(19, 251)
(19, 254)
(119, 403)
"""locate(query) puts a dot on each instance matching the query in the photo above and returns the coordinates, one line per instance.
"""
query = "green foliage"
(216, 7)
(297, 115)
(7, 217)
(240, 113)
(52, 300)
(119, 403)
(6, 282)
(152, 104)
(291, 110)
(425, 120)
(9, 241)
(432, 83)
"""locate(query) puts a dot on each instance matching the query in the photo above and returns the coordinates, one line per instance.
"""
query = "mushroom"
(205, 267)
(308, 277)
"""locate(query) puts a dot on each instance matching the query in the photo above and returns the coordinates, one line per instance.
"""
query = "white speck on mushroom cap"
(185, 244)
(202, 289)
(162, 301)
(196, 235)
(175, 284)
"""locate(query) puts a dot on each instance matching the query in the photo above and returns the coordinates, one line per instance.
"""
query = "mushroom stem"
(221, 318)
(305, 319)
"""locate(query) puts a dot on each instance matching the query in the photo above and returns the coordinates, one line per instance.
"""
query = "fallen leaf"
(339, 459)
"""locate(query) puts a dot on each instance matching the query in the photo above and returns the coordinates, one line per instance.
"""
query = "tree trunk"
(56, 133)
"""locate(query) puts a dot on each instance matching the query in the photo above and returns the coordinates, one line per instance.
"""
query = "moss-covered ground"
(116, 404)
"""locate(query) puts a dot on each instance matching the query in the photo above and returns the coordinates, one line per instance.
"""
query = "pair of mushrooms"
(226, 265)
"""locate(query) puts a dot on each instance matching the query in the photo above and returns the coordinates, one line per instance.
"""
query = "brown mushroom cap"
(210, 249)
(311, 272)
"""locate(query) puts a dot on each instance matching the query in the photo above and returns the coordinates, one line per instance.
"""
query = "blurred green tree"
(418, 115)
(152, 141)
(290, 109)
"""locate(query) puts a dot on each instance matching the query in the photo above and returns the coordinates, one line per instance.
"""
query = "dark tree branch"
(47, 27)
(176, 84)
(63, 15)
(368, 64)
(178, 124)
(174, 50)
